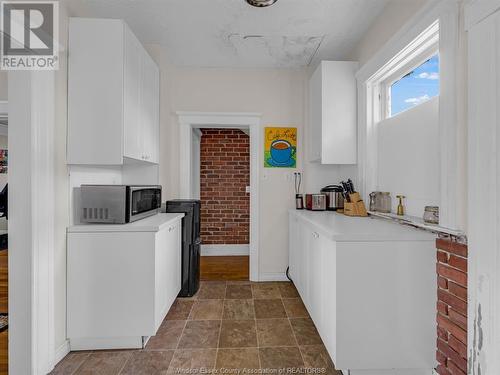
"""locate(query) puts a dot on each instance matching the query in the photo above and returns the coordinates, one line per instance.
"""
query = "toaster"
(316, 202)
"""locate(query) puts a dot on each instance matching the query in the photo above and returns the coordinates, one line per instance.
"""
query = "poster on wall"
(280, 147)
(3, 161)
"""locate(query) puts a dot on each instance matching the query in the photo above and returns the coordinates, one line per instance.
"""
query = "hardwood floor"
(225, 268)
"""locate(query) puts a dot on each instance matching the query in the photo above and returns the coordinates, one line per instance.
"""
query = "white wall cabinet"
(122, 280)
(370, 295)
(333, 113)
(113, 95)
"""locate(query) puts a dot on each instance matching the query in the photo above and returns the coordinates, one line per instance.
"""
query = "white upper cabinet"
(333, 113)
(113, 95)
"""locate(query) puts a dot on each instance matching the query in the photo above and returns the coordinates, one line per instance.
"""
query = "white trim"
(451, 105)
(478, 10)
(273, 276)
(31, 222)
(224, 250)
(107, 343)
(192, 120)
(61, 352)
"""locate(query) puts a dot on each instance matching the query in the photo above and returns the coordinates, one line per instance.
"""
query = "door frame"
(31, 99)
(251, 121)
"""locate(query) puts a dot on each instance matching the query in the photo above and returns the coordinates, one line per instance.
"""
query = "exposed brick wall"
(225, 174)
(452, 307)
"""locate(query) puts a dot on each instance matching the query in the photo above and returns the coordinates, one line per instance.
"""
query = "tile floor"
(226, 328)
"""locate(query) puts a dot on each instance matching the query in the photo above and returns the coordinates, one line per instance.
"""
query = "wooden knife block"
(356, 206)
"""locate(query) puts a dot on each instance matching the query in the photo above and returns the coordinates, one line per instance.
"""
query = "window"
(415, 87)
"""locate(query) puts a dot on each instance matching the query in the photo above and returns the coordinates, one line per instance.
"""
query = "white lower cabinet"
(372, 301)
(121, 283)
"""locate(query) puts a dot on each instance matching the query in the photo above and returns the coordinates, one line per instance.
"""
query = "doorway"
(224, 184)
(192, 128)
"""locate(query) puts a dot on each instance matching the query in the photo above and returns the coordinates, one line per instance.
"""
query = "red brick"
(451, 300)
(457, 318)
(452, 247)
(442, 333)
(441, 358)
(458, 262)
(456, 369)
(457, 290)
(442, 370)
(442, 257)
(452, 274)
(452, 328)
(442, 282)
(442, 308)
(452, 355)
(458, 346)
(225, 166)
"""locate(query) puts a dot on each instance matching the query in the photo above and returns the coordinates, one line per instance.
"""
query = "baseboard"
(273, 276)
(61, 352)
(224, 250)
(106, 343)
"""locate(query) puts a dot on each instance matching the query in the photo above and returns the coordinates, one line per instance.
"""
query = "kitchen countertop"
(341, 228)
(149, 224)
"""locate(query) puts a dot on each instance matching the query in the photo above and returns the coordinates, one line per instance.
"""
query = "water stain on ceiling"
(231, 33)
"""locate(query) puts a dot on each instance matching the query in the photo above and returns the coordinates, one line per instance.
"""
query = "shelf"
(419, 223)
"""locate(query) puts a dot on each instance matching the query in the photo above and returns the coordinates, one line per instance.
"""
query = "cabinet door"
(155, 118)
(328, 329)
(132, 137)
(293, 250)
(315, 116)
(315, 275)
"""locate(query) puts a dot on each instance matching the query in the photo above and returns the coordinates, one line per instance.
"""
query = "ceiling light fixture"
(261, 3)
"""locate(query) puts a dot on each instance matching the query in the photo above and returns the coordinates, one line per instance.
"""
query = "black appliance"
(191, 243)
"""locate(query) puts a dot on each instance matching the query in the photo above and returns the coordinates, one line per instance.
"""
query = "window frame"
(386, 84)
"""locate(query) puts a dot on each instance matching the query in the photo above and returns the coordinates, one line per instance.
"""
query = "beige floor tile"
(269, 308)
(189, 359)
(238, 309)
(287, 358)
(265, 290)
(238, 334)
(287, 290)
(200, 334)
(316, 357)
(70, 363)
(212, 290)
(148, 363)
(104, 363)
(275, 332)
(295, 308)
(305, 331)
(180, 309)
(210, 309)
(168, 335)
(236, 291)
(247, 358)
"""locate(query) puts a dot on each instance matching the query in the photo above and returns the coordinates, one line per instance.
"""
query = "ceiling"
(231, 33)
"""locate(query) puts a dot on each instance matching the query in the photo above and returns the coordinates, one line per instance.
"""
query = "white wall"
(3, 85)
(395, 14)
(408, 157)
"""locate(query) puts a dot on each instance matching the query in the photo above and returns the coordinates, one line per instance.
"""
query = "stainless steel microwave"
(118, 204)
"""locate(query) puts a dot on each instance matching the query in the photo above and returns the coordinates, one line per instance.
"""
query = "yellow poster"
(280, 147)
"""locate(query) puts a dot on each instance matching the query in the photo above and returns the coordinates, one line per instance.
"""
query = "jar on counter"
(431, 215)
(385, 202)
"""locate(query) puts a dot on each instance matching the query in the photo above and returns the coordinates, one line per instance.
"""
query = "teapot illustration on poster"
(280, 147)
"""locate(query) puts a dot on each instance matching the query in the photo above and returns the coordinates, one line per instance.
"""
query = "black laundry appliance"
(191, 243)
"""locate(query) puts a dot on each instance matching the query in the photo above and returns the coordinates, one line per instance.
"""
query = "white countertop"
(342, 228)
(149, 224)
